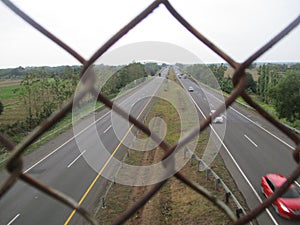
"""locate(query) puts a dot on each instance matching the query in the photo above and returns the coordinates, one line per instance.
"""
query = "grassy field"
(175, 203)
(11, 100)
(8, 92)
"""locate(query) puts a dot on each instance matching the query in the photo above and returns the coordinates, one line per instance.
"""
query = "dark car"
(288, 205)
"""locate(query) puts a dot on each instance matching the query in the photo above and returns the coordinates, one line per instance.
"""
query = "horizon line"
(58, 65)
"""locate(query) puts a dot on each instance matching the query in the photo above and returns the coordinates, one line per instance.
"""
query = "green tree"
(270, 74)
(29, 95)
(251, 85)
(43, 93)
(286, 95)
(151, 68)
(218, 71)
(123, 77)
(1, 108)
(226, 84)
(263, 81)
(204, 74)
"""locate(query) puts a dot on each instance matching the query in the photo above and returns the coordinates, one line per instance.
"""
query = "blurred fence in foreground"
(14, 164)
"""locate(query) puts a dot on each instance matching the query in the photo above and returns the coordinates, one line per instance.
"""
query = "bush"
(1, 108)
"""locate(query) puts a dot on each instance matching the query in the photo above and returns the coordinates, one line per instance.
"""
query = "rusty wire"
(239, 79)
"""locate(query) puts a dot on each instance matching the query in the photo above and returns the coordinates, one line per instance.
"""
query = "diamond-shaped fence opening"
(15, 166)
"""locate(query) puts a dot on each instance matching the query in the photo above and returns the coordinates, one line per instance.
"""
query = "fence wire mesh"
(239, 79)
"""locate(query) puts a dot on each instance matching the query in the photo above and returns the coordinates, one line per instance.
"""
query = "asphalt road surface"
(250, 146)
(62, 164)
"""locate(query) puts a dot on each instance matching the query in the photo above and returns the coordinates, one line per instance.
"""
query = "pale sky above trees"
(237, 27)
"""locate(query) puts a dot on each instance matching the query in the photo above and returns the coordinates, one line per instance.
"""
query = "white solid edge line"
(259, 127)
(76, 159)
(249, 139)
(55, 150)
(282, 141)
(236, 164)
(10, 222)
(107, 129)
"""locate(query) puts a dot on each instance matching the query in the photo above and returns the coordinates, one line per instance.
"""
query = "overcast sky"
(237, 27)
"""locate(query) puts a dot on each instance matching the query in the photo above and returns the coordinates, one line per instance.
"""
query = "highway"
(62, 164)
(251, 147)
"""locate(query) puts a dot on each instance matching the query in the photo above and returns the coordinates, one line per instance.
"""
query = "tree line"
(43, 94)
(20, 72)
(123, 77)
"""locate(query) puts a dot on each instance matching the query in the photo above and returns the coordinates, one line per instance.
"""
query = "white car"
(191, 89)
(217, 119)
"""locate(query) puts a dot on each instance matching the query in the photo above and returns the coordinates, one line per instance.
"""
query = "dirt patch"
(150, 213)
(229, 72)
(13, 111)
(9, 82)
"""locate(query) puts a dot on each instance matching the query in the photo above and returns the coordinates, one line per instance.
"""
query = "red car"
(288, 205)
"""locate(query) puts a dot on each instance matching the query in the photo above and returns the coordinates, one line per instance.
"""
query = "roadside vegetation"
(36, 96)
(30, 95)
(276, 87)
(175, 203)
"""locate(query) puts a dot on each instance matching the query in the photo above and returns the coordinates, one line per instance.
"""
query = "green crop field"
(8, 92)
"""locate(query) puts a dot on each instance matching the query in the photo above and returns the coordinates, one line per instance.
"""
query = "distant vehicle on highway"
(191, 89)
(218, 119)
(288, 205)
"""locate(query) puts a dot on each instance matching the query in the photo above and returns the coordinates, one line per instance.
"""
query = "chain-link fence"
(239, 79)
